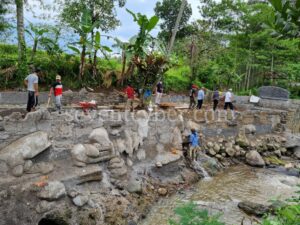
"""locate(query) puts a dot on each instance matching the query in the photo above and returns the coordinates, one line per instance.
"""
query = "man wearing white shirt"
(228, 101)
(31, 82)
(200, 98)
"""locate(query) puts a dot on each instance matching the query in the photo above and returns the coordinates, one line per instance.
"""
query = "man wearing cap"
(228, 101)
(57, 89)
(31, 82)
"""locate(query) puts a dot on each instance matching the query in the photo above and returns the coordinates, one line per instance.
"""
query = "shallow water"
(222, 193)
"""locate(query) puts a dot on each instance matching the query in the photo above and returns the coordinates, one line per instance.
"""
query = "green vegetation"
(287, 214)
(189, 214)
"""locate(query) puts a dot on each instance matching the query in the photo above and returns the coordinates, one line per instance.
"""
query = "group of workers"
(32, 81)
(216, 97)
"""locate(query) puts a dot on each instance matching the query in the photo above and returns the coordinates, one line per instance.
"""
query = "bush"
(189, 214)
(288, 214)
(177, 78)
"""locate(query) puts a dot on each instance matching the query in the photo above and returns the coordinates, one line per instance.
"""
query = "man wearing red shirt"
(129, 91)
(57, 89)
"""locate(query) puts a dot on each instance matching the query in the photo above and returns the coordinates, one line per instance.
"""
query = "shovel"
(49, 98)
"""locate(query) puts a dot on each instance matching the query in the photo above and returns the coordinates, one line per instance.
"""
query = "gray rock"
(134, 185)
(250, 129)
(100, 136)
(27, 165)
(44, 206)
(141, 154)
(162, 191)
(15, 159)
(91, 151)
(212, 152)
(277, 153)
(254, 208)
(253, 158)
(292, 140)
(53, 191)
(217, 148)
(230, 151)
(29, 146)
(80, 200)
(17, 171)
(297, 152)
(42, 167)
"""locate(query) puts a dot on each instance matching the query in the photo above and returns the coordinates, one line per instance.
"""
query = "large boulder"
(292, 140)
(100, 136)
(28, 146)
(254, 208)
(176, 138)
(253, 158)
(166, 158)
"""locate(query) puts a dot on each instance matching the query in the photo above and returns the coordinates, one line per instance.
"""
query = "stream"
(222, 193)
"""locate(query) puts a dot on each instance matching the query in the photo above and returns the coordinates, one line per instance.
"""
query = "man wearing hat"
(31, 82)
(57, 89)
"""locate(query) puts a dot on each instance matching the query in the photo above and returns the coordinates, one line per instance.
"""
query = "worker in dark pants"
(216, 98)
(193, 92)
(31, 82)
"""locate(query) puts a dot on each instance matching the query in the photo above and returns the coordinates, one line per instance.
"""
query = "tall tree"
(22, 61)
(3, 11)
(168, 11)
(102, 14)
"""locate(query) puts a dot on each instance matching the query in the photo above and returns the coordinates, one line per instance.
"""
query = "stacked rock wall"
(92, 166)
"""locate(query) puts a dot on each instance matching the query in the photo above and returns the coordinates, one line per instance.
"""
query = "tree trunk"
(35, 43)
(95, 65)
(123, 66)
(82, 62)
(183, 4)
(272, 69)
(22, 63)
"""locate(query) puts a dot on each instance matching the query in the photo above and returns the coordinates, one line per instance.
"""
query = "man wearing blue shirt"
(200, 98)
(194, 144)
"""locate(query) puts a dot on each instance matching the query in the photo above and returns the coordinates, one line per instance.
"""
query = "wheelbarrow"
(87, 105)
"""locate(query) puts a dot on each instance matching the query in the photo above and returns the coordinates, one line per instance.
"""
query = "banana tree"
(149, 62)
(37, 35)
(95, 45)
(84, 28)
(286, 21)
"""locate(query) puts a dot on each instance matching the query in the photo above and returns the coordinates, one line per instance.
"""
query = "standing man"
(200, 97)
(193, 92)
(194, 144)
(159, 91)
(57, 88)
(129, 91)
(228, 102)
(31, 82)
(216, 98)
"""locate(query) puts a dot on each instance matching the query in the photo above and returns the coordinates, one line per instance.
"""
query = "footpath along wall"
(108, 167)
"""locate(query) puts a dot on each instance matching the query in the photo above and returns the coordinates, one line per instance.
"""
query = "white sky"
(128, 27)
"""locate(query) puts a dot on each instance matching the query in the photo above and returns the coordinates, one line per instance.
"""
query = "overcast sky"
(128, 28)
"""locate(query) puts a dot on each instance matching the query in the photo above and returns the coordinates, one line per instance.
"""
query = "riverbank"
(110, 166)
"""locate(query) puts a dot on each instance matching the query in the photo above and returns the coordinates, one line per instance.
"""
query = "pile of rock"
(252, 149)
(99, 149)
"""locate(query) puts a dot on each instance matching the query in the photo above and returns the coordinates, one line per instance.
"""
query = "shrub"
(189, 214)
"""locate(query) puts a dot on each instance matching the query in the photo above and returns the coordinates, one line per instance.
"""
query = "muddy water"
(222, 193)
